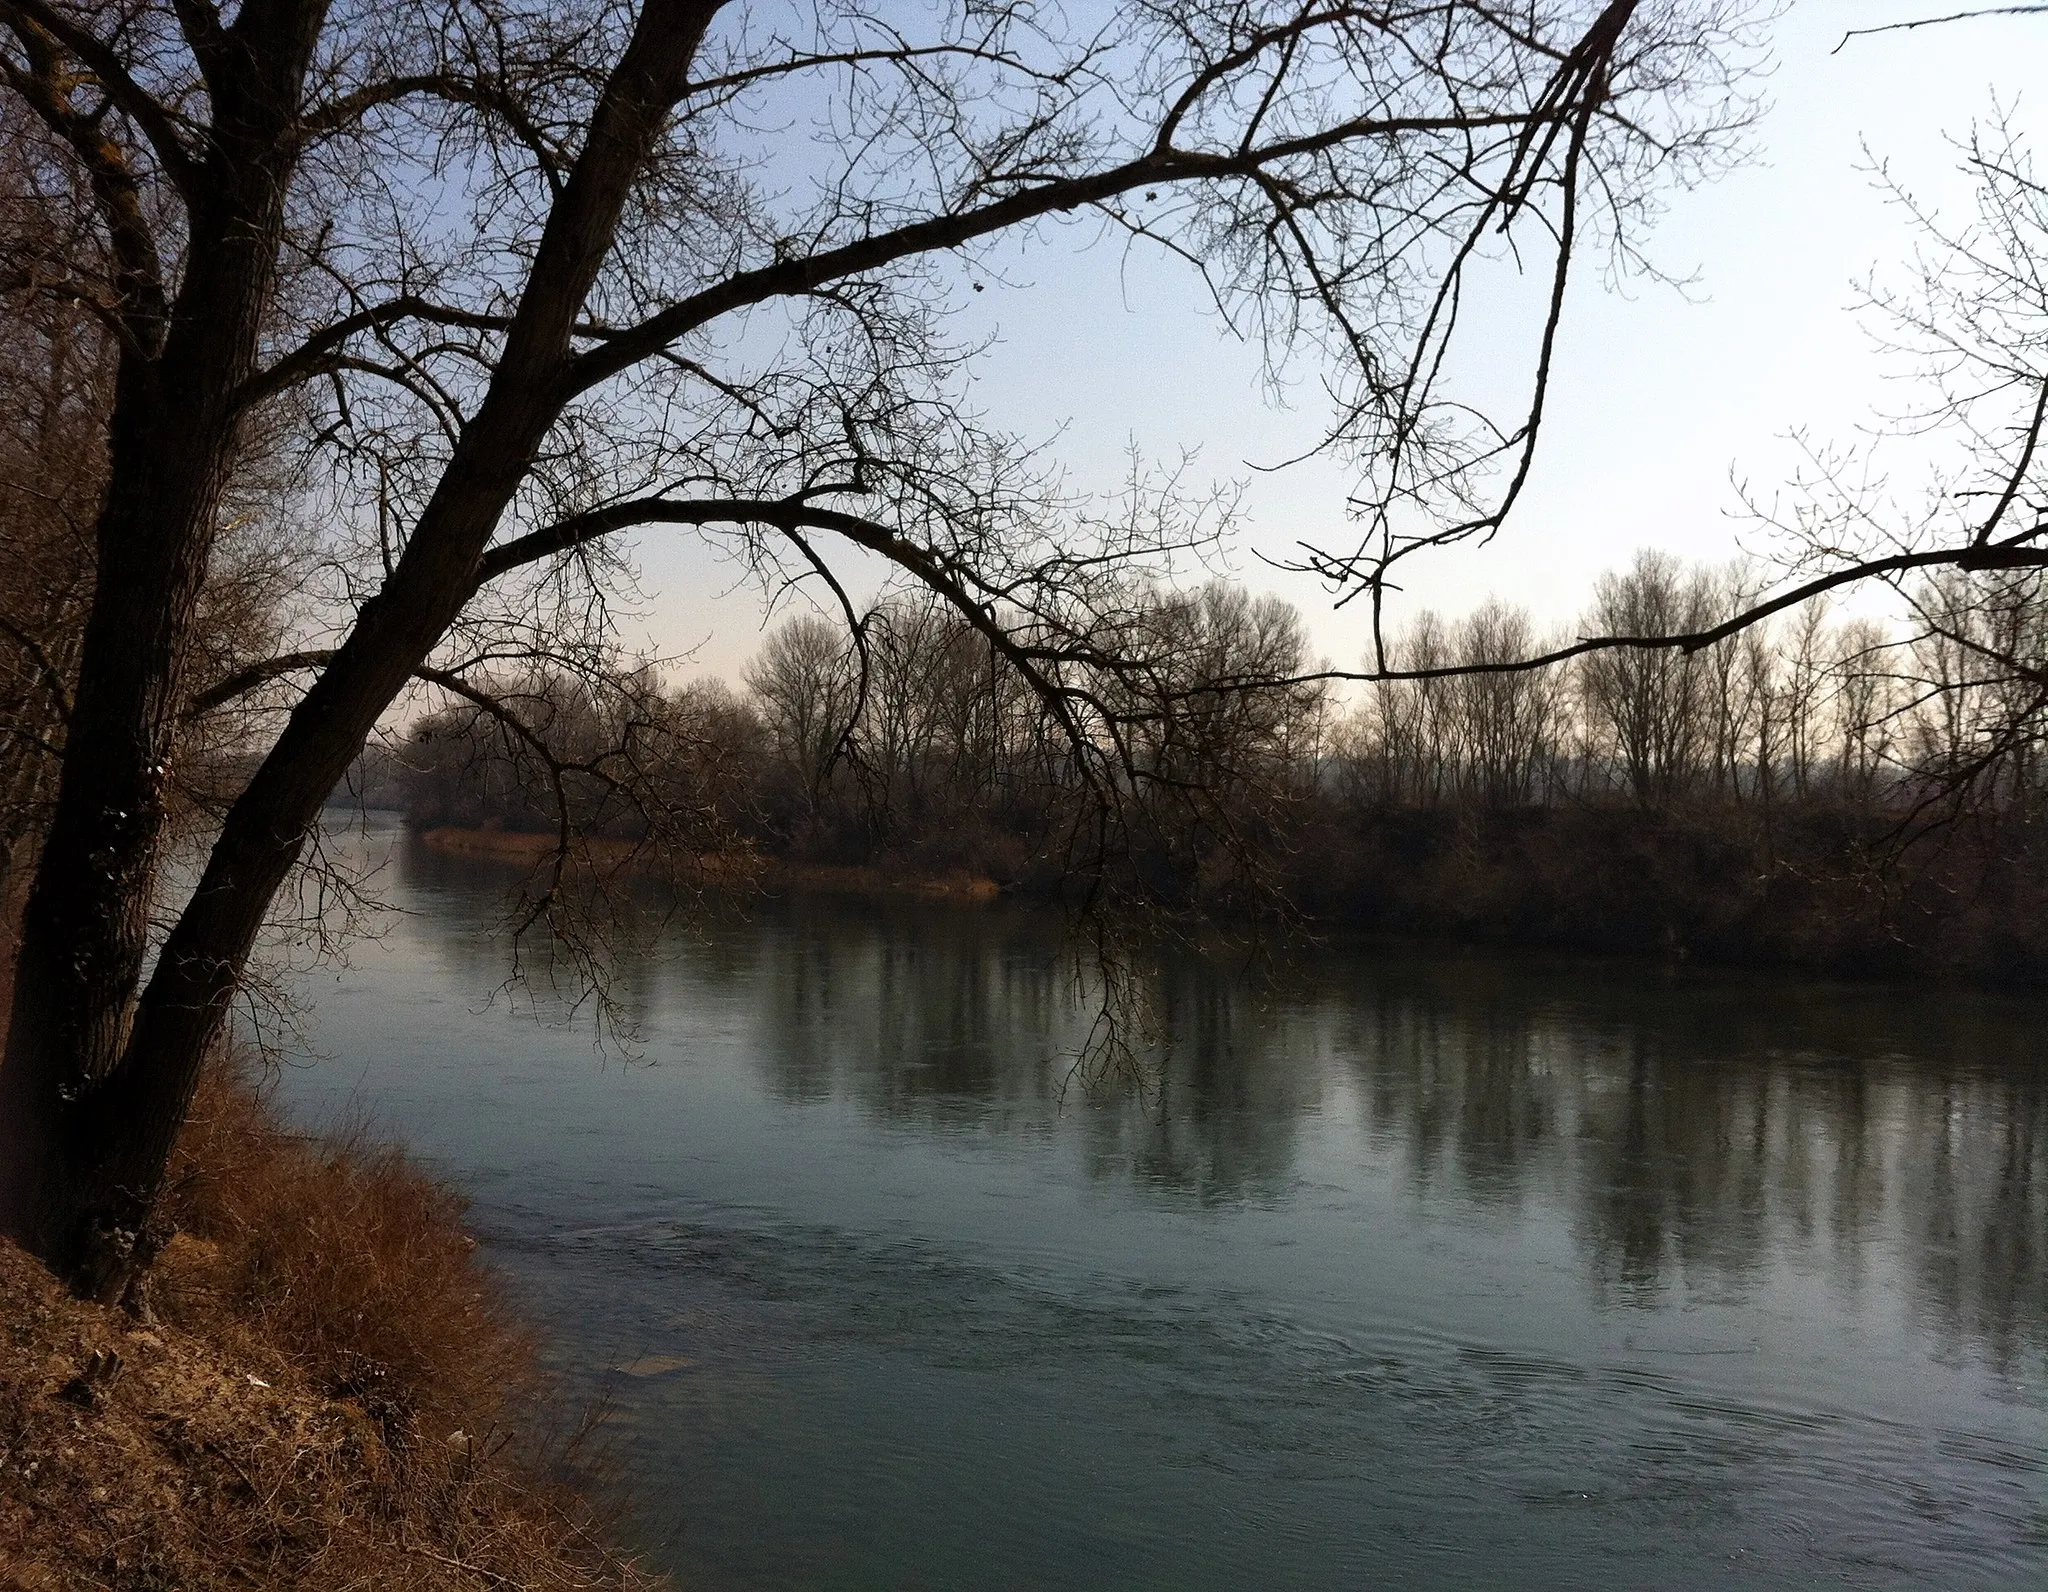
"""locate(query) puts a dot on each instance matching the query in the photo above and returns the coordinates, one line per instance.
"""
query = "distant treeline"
(1815, 790)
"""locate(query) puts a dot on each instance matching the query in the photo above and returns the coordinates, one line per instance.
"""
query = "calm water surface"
(1420, 1270)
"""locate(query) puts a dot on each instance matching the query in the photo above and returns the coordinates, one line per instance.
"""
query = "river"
(1404, 1268)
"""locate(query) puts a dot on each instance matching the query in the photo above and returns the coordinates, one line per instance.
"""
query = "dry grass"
(331, 1397)
(343, 1255)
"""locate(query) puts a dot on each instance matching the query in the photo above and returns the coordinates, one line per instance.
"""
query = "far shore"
(726, 868)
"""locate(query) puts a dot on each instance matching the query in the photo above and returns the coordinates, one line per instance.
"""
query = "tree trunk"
(104, 1150)
(171, 449)
(85, 929)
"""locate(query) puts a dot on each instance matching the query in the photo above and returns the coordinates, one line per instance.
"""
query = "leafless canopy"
(1968, 330)
(765, 353)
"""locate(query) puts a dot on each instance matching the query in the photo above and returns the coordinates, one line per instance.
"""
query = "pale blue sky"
(1660, 395)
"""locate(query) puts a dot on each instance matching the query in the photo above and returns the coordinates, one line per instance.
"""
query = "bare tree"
(1408, 719)
(1461, 728)
(1212, 771)
(1964, 678)
(1649, 706)
(1808, 670)
(806, 680)
(537, 274)
(1866, 712)
(1733, 702)
(1508, 723)
(1975, 688)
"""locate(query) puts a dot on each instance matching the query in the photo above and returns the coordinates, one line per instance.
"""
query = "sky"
(1664, 398)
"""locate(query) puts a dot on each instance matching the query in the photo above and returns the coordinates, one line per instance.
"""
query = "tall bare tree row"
(906, 732)
(1809, 708)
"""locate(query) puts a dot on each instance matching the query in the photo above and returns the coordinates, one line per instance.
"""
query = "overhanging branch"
(2006, 556)
(938, 234)
(1934, 22)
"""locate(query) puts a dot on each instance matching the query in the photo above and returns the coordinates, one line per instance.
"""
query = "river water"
(1410, 1268)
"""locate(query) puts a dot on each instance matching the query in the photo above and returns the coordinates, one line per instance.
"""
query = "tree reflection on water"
(1695, 1125)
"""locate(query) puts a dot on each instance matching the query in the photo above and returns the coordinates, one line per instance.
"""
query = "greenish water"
(1420, 1269)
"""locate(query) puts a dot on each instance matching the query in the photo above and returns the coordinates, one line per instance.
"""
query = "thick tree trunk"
(171, 450)
(104, 1149)
(85, 928)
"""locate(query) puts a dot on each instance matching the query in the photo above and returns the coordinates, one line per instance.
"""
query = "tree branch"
(792, 516)
(116, 189)
(312, 357)
(2010, 554)
(137, 104)
(746, 77)
(938, 234)
(1934, 22)
(243, 681)
(52, 676)
(480, 94)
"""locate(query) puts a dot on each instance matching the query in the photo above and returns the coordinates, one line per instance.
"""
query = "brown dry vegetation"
(333, 1394)
(728, 869)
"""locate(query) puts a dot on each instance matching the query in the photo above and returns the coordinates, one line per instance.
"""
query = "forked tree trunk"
(91, 1102)
(171, 450)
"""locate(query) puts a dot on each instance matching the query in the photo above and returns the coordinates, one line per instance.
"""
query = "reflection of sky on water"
(1402, 1263)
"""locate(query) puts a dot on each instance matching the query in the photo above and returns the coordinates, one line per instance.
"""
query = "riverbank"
(1814, 891)
(1817, 891)
(746, 869)
(328, 1392)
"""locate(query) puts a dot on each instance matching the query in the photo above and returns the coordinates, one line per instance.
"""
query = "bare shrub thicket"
(1812, 782)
